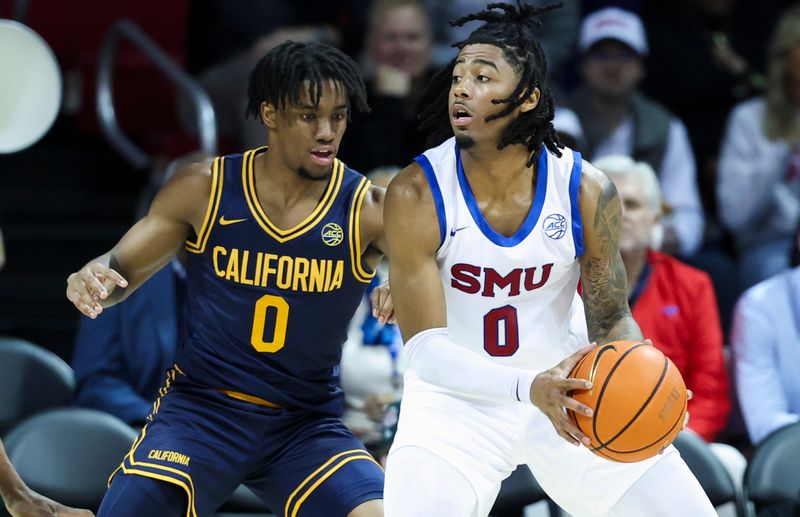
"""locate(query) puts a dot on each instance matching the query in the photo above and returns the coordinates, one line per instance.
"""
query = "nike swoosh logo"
(454, 231)
(226, 222)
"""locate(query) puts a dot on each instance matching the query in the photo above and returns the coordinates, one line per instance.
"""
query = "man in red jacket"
(673, 303)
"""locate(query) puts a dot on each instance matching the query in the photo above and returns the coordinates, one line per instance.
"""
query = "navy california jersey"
(268, 309)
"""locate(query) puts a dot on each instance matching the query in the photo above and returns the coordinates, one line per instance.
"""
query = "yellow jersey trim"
(250, 194)
(190, 511)
(328, 474)
(188, 488)
(320, 469)
(250, 398)
(217, 179)
(354, 234)
(164, 389)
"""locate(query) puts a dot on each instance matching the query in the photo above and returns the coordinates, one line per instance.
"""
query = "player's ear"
(268, 113)
(531, 102)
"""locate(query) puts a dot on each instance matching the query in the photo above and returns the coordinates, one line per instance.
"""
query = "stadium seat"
(33, 380)
(68, 454)
(709, 471)
(773, 474)
(519, 490)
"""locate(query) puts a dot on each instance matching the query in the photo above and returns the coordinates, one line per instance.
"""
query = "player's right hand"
(549, 392)
(94, 282)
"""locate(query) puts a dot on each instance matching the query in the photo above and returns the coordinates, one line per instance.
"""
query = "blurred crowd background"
(691, 106)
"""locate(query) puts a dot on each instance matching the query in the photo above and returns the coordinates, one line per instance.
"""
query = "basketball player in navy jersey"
(489, 233)
(282, 244)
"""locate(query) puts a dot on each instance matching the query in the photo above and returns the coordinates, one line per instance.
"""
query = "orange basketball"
(639, 400)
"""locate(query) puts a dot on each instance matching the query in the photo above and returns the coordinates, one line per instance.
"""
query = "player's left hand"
(28, 503)
(382, 306)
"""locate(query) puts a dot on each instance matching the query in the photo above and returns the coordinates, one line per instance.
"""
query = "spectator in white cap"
(617, 119)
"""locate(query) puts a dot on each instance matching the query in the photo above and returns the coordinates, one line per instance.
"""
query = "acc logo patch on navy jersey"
(555, 226)
(332, 234)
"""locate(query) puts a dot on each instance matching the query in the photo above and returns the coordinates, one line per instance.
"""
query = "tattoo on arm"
(604, 279)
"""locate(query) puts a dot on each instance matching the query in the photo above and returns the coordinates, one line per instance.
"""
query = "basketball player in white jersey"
(489, 233)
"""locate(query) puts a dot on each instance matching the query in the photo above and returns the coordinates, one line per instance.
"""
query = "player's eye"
(483, 79)
(455, 78)
(308, 116)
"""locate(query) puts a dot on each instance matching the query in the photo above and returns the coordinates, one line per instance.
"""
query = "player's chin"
(464, 139)
(314, 171)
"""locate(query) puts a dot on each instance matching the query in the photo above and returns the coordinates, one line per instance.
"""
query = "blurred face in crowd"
(639, 216)
(400, 38)
(612, 68)
(306, 136)
(481, 73)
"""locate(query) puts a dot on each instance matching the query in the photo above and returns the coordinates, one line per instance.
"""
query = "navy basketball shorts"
(207, 443)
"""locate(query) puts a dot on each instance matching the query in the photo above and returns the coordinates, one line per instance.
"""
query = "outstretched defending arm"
(603, 276)
(150, 244)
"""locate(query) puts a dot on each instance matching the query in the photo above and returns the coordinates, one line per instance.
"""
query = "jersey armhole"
(574, 190)
(436, 192)
(360, 272)
(217, 175)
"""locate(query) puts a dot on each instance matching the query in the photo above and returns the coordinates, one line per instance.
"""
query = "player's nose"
(461, 90)
(325, 131)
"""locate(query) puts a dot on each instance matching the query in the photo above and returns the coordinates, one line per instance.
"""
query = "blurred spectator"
(617, 119)
(556, 35)
(674, 304)
(21, 501)
(766, 352)
(397, 68)
(758, 185)
(707, 55)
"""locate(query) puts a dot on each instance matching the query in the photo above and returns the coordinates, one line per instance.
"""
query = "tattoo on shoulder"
(603, 275)
(608, 217)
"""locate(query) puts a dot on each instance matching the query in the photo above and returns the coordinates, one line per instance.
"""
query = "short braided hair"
(279, 76)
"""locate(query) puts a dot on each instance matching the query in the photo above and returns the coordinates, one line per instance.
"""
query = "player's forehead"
(332, 94)
(483, 53)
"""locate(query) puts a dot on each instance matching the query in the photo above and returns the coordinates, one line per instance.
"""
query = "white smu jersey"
(510, 298)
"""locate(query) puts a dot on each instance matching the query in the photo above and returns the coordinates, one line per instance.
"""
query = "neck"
(500, 165)
(634, 264)
(285, 183)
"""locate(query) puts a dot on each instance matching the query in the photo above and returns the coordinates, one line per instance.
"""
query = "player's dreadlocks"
(280, 74)
(508, 27)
